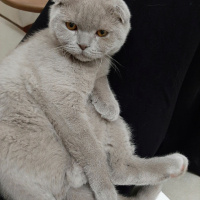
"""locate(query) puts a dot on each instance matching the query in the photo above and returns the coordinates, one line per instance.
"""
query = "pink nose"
(82, 46)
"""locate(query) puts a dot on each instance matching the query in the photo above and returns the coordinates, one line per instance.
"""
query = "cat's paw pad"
(179, 165)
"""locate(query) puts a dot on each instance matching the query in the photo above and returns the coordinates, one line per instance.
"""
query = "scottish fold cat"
(61, 135)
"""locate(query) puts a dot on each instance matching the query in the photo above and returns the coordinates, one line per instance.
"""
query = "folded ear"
(122, 12)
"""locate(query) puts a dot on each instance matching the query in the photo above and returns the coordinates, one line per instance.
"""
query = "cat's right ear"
(122, 11)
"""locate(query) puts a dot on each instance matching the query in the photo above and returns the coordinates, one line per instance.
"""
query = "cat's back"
(27, 55)
(17, 106)
(17, 69)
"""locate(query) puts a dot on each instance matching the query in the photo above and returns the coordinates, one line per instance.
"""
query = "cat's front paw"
(178, 165)
(109, 111)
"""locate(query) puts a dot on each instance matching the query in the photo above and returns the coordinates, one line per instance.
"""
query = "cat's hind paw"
(179, 165)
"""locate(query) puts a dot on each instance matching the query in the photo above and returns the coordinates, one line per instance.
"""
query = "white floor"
(184, 188)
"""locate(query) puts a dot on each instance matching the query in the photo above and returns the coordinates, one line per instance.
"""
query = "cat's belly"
(76, 176)
(98, 125)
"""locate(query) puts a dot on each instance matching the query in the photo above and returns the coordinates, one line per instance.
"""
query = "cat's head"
(90, 29)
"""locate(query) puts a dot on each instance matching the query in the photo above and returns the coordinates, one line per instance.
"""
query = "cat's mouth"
(80, 56)
(83, 57)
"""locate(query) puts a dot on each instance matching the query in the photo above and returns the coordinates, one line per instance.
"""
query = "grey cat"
(61, 136)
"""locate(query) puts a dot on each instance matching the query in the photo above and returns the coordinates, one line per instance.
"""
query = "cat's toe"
(179, 165)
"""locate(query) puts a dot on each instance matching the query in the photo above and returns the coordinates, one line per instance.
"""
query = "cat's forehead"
(90, 14)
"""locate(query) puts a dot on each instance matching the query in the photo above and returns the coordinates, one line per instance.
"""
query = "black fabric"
(164, 38)
(184, 131)
(159, 81)
(41, 22)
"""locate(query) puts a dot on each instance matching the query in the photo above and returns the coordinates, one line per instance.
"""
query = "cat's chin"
(83, 58)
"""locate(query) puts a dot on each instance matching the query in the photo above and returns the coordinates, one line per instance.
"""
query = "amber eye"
(71, 26)
(102, 33)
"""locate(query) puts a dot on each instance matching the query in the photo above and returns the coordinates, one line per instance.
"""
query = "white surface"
(162, 196)
(20, 17)
(186, 187)
(10, 36)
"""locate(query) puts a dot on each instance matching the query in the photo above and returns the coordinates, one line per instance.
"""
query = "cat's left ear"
(122, 11)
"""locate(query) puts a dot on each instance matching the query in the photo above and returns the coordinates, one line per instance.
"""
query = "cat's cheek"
(103, 44)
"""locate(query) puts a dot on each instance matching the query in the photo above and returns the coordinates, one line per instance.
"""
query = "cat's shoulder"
(25, 55)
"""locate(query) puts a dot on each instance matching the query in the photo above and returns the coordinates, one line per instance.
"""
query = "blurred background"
(14, 23)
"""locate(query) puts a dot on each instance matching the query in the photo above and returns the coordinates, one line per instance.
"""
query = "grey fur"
(61, 136)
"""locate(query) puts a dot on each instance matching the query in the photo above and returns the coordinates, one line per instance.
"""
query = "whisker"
(96, 62)
(116, 69)
(57, 48)
(114, 66)
(114, 60)
(100, 63)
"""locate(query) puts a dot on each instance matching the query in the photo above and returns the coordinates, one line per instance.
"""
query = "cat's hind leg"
(129, 169)
(32, 163)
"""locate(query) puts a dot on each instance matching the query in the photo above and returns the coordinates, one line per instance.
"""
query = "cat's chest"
(67, 76)
(83, 78)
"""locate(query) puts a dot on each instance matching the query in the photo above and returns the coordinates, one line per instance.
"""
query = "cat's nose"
(83, 46)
